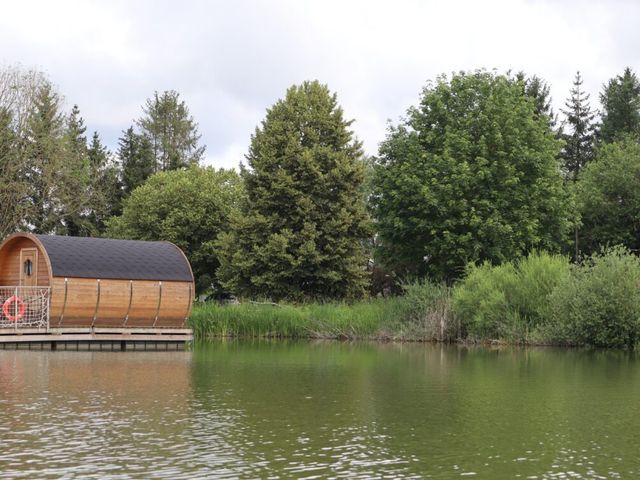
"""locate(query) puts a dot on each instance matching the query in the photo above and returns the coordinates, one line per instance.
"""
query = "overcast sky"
(231, 60)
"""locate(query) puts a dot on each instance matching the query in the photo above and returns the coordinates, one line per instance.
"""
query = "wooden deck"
(96, 338)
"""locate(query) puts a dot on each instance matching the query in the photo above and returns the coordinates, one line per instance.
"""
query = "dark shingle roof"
(86, 257)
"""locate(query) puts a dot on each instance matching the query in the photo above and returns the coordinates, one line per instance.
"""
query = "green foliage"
(427, 313)
(75, 187)
(187, 207)
(301, 232)
(578, 149)
(43, 166)
(106, 185)
(171, 131)
(621, 107)
(13, 188)
(508, 301)
(136, 157)
(599, 303)
(470, 175)
(539, 91)
(609, 198)
(388, 318)
(366, 319)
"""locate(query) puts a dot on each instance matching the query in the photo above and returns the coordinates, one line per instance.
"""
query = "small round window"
(28, 268)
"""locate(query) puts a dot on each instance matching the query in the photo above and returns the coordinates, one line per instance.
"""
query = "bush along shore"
(542, 299)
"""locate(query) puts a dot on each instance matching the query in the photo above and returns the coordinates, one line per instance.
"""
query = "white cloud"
(232, 60)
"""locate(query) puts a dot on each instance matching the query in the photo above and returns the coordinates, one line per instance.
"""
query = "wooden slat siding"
(114, 303)
(57, 300)
(82, 296)
(10, 263)
(145, 303)
(175, 303)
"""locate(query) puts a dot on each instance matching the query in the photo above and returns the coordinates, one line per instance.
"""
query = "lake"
(320, 410)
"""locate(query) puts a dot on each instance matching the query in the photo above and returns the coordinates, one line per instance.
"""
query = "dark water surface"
(320, 410)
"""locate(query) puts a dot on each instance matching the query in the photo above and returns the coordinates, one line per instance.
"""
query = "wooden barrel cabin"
(55, 282)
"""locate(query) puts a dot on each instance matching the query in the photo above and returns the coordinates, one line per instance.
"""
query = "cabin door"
(29, 267)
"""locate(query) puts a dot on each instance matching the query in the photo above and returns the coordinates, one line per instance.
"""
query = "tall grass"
(421, 314)
(316, 320)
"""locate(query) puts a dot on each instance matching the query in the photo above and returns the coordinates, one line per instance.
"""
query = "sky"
(232, 60)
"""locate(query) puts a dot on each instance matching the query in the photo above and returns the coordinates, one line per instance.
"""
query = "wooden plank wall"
(10, 263)
(138, 298)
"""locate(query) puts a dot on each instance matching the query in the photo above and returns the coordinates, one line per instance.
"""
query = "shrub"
(599, 303)
(508, 301)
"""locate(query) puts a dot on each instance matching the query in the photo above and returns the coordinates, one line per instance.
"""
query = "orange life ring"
(6, 308)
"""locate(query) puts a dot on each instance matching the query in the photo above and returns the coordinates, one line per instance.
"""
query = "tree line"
(481, 169)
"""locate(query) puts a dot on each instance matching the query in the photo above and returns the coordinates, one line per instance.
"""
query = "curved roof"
(87, 257)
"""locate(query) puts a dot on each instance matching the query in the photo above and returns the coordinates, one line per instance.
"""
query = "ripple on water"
(318, 411)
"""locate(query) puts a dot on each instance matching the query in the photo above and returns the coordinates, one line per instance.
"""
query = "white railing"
(24, 307)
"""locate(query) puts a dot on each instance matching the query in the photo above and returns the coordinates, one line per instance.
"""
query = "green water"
(320, 410)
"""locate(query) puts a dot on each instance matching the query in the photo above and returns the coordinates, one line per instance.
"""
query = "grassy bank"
(541, 299)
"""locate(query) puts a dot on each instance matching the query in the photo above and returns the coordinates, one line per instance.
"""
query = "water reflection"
(276, 409)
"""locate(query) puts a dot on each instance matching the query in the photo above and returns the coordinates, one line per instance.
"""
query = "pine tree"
(13, 189)
(43, 161)
(578, 150)
(106, 186)
(301, 233)
(75, 177)
(135, 154)
(621, 107)
(540, 92)
(172, 132)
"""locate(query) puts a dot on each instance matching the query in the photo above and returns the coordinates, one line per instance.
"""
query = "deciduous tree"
(470, 175)
(609, 198)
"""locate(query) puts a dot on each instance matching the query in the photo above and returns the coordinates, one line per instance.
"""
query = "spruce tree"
(44, 149)
(302, 230)
(75, 178)
(135, 154)
(13, 188)
(540, 92)
(621, 107)
(171, 131)
(106, 185)
(578, 149)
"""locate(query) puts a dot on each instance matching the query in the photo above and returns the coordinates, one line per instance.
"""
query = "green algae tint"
(320, 410)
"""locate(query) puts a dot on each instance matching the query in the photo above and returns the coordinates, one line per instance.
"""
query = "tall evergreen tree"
(135, 154)
(302, 231)
(540, 92)
(106, 186)
(43, 161)
(13, 188)
(578, 149)
(75, 178)
(172, 132)
(621, 107)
